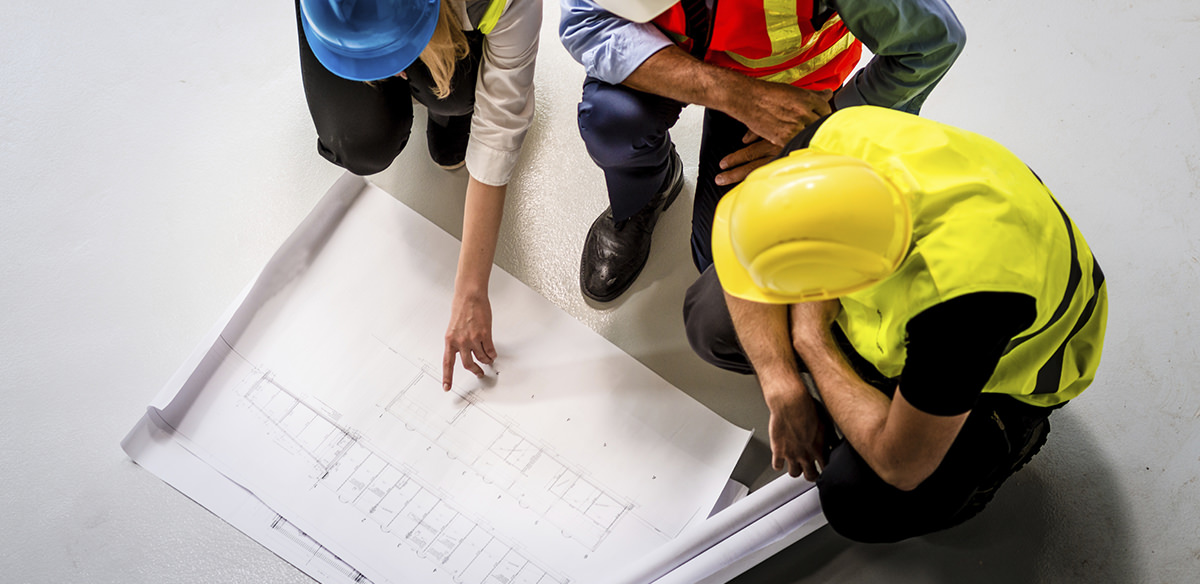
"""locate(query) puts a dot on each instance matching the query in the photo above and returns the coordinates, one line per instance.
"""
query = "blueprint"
(313, 418)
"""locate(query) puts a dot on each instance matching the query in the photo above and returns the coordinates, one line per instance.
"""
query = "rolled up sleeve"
(504, 94)
(608, 46)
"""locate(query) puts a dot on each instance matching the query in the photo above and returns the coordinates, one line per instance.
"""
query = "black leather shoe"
(615, 253)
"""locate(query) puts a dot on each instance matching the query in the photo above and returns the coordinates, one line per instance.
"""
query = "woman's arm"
(469, 336)
(504, 97)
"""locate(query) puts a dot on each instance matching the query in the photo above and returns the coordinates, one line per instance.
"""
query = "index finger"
(448, 368)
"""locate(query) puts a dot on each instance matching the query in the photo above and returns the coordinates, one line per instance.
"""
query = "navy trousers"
(626, 133)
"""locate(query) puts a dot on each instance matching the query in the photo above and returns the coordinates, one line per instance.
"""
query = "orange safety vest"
(773, 40)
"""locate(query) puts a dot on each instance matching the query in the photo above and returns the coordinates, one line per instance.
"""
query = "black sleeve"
(953, 348)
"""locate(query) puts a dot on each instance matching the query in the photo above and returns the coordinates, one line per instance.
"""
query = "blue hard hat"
(365, 40)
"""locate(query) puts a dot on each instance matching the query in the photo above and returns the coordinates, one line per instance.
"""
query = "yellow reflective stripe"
(675, 36)
(808, 67)
(787, 40)
(492, 16)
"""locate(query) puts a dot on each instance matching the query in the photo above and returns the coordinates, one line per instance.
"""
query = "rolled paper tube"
(694, 541)
(753, 544)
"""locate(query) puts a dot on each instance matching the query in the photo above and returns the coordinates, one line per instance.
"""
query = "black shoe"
(1027, 444)
(614, 254)
(1023, 444)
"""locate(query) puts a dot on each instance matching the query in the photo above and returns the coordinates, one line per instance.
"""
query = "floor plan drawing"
(318, 552)
(391, 495)
(322, 397)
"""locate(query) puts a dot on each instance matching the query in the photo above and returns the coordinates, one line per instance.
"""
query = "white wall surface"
(153, 155)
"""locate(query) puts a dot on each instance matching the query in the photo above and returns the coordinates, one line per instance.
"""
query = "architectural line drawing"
(285, 528)
(318, 397)
(387, 493)
(533, 472)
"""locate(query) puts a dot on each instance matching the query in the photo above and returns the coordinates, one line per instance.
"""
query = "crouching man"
(942, 301)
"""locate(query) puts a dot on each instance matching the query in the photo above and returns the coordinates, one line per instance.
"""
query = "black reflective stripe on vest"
(1050, 374)
(1072, 285)
(698, 22)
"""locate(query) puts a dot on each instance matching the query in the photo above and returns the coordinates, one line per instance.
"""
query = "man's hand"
(796, 431)
(777, 111)
(469, 336)
(742, 162)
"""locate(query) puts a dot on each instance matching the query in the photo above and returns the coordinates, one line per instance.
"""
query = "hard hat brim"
(737, 280)
(636, 10)
(376, 67)
(734, 277)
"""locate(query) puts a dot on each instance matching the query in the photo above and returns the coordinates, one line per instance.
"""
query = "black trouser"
(362, 127)
(858, 504)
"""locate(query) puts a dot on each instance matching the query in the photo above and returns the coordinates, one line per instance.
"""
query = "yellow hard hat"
(809, 226)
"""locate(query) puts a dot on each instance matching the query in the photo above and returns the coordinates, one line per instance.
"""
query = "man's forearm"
(901, 444)
(775, 112)
(795, 429)
(859, 410)
(762, 331)
(674, 74)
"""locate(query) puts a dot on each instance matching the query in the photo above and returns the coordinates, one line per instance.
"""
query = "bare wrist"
(730, 90)
(468, 289)
(780, 390)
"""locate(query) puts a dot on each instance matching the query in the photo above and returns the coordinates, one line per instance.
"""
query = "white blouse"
(504, 91)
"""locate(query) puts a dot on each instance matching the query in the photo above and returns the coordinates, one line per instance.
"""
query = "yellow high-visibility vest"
(982, 222)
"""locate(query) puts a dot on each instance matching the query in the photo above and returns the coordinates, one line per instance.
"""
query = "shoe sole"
(676, 188)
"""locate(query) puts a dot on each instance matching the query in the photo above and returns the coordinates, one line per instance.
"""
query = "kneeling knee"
(613, 127)
(362, 156)
(860, 506)
(858, 520)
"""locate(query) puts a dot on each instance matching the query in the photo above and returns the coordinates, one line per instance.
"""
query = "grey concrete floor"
(154, 155)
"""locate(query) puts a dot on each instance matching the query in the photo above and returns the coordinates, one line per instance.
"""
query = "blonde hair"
(447, 46)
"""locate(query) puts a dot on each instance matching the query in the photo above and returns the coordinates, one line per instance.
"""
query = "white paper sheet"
(319, 397)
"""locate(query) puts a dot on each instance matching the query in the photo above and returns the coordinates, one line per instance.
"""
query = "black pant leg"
(361, 127)
(710, 328)
(449, 123)
(861, 506)
(722, 136)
